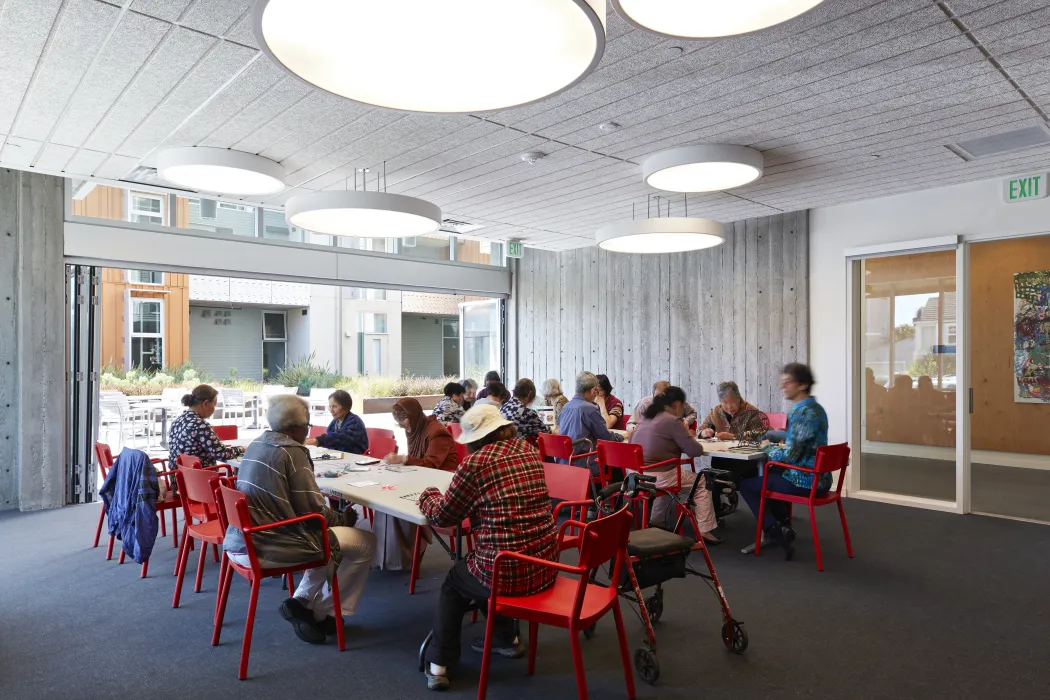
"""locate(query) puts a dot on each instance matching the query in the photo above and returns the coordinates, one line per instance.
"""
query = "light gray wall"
(217, 348)
(422, 346)
(739, 311)
(32, 341)
(298, 329)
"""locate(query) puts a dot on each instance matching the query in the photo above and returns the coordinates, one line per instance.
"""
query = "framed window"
(146, 337)
(361, 293)
(377, 355)
(369, 322)
(275, 343)
(146, 208)
(144, 277)
(951, 334)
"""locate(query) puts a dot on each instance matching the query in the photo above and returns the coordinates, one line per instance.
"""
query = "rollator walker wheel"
(647, 666)
(654, 604)
(734, 636)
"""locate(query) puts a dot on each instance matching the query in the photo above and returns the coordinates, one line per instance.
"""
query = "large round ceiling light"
(363, 214)
(661, 235)
(697, 19)
(435, 55)
(702, 168)
(220, 170)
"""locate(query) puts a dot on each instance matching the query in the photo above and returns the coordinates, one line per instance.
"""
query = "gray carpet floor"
(934, 606)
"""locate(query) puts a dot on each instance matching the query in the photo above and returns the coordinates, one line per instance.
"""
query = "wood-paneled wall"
(33, 328)
(739, 311)
(175, 292)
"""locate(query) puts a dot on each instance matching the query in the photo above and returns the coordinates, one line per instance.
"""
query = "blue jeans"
(776, 511)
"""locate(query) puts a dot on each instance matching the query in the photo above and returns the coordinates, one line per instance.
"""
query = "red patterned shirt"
(501, 488)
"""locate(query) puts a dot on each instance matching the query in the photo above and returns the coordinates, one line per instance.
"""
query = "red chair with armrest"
(225, 432)
(777, 421)
(197, 489)
(104, 455)
(615, 458)
(570, 486)
(571, 603)
(829, 459)
(381, 442)
(233, 510)
(554, 447)
(317, 431)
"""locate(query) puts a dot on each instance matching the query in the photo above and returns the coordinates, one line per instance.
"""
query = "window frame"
(362, 327)
(130, 211)
(131, 333)
(129, 280)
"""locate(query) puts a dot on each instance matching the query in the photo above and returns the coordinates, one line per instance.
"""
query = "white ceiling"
(852, 101)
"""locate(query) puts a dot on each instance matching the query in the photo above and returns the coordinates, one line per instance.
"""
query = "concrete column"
(32, 341)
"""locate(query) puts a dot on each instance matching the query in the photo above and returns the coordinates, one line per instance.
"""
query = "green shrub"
(305, 374)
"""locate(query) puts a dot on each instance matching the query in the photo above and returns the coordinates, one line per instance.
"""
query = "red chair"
(225, 432)
(233, 511)
(571, 603)
(570, 486)
(777, 421)
(455, 429)
(105, 462)
(197, 489)
(201, 511)
(624, 456)
(317, 431)
(831, 458)
(381, 442)
(554, 447)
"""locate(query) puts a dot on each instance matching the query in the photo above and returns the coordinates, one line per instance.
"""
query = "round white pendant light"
(363, 214)
(661, 235)
(446, 56)
(699, 19)
(702, 168)
(220, 170)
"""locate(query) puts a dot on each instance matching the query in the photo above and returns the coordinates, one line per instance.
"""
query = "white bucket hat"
(479, 422)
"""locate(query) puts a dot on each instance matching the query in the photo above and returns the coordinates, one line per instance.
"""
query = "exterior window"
(275, 343)
(450, 341)
(377, 355)
(951, 335)
(146, 208)
(369, 322)
(361, 293)
(147, 334)
(144, 277)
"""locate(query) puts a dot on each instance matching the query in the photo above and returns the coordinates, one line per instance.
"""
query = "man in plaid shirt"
(500, 486)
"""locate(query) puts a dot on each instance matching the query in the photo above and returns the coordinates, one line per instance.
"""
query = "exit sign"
(1020, 189)
(515, 249)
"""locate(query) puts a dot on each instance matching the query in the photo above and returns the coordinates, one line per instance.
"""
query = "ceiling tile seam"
(36, 69)
(189, 117)
(130, 84)
(437, 139)
(255, 100)
(266, 124)
(216, 44)
(553, 140)
(178, 23)
(965, 30)
(735, 77)
(692, 119)
(874, 79)
(737, 57)
(87, 72)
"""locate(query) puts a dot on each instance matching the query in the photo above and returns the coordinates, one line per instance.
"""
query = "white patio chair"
(319, 401)
(231, 402)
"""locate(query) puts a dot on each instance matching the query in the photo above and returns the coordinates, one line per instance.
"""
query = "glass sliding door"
(1010, 371)
(481, 341)
(907, 338)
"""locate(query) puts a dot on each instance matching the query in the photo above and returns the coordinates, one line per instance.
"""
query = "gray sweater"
(277, 477)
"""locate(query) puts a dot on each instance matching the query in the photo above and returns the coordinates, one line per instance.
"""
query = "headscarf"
(417, 426)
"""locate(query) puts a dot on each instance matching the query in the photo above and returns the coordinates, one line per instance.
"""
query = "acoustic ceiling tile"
(305, 122)
(168, 10)
(242, 32)
(116, 167)
(23, 32)
(19, 152)
(54, 157)
(268, 105)
(134, 39)
(215, 17)
(173, 59)
(85, 162)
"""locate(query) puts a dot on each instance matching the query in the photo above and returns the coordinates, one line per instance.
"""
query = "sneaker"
(327, 625)
(750, 549)
(436, 681)
(516, 650)
(302, 618)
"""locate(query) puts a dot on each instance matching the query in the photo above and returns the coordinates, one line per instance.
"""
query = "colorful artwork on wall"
(1032, 337)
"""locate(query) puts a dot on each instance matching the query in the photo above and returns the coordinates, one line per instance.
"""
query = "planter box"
(385, 404)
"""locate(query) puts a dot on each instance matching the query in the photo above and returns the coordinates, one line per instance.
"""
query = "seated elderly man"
(582, 421)
(688, 416)
(277, 477)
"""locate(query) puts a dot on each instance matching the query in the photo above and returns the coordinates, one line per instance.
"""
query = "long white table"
(721, 448)
(390, 489)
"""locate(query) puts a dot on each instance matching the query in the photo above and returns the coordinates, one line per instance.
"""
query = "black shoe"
(787, 540)
(328, 625)
(510, 651)
(302, 619)
(435, 681)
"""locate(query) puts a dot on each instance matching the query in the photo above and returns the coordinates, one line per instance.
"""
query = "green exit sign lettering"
(1020, 189)
(515, 249)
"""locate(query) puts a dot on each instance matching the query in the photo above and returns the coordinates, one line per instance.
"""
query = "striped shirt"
(277, 477)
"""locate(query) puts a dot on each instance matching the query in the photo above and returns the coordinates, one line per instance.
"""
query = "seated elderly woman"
(191, 434)
(450, 409)
(429, 445)
(496, 394)
(553, 396)
(733, 416)
(276, 476)
(470, 393)
(346, 432)
(663, 436)
(517, 411)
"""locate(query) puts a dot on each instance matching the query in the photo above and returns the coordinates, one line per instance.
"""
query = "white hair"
(287, 412)
(551, 387)
(585, 381)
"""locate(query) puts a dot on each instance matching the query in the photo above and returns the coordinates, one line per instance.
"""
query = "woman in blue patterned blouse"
(346, 432)
(807, 430)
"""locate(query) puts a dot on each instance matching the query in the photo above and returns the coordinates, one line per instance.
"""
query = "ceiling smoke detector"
(608, 126)
(531, 157)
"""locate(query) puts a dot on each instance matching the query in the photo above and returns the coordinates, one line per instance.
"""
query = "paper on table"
(364, 483)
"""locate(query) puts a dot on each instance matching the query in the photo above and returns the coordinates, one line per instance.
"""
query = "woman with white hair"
(277, 478)
(553, 396)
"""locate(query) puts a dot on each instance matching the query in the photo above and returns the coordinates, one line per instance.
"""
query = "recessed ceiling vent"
(457, 226)
(1031, 137)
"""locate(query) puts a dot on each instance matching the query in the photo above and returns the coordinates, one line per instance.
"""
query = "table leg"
(163, 426)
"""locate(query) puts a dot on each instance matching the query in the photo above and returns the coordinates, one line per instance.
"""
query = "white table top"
(374, 486)
(721, 448)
